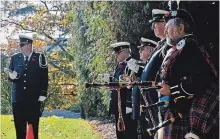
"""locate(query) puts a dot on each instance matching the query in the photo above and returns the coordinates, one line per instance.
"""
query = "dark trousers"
(130, 128)
(26, 114)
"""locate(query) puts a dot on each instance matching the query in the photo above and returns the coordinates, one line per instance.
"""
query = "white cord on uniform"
(40, 62)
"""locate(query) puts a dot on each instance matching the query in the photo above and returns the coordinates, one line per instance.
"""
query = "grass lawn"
(54, 128)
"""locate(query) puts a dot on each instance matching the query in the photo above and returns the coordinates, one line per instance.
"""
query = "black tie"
(26, 59)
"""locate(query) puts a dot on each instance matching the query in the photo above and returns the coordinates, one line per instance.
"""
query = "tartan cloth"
(169, 59)
(202, 118)
(208, 60)
(176, 130)
(204, 113)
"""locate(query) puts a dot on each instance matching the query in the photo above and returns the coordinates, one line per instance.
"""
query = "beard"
(169, 41)
(172, 41)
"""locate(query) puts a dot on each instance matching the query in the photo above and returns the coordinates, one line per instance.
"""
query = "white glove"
(128, 110)
(13, 75)
(191, 135)
(41, 98)
(132, 65)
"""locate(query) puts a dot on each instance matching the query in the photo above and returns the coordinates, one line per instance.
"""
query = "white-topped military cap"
(25, 39)
(117, 47)
(158, 15)
(147, 42)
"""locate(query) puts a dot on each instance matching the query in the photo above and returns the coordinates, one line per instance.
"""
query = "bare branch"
(32, 30)
(45, 4)
(17, 24)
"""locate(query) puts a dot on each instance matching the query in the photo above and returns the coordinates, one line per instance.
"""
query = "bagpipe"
(121, 84)
(175, 101)
(152, 131)
(124, 82)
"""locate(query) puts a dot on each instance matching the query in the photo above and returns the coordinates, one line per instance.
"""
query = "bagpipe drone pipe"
(176, 101)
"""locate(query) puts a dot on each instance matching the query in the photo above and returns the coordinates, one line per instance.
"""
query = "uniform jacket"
(154, 61)
(32, 79)
(125, 93)
(149, 74)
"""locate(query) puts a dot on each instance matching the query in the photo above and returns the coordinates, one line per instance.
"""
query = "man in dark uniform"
(122, 112)
(187, 60)
(152, 66)
(145, 49)
(29, 75)
(155, 59)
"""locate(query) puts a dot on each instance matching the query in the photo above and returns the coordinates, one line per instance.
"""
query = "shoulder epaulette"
(16, 54)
